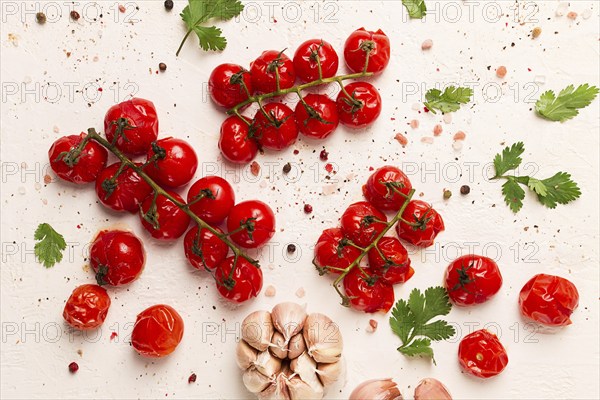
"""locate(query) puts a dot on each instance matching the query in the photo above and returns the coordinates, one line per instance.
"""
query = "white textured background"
(120, 53)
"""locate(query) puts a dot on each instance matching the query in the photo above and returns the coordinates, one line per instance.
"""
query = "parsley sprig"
(565, 106)
(416, 8)
(449, 100)
(50, 245)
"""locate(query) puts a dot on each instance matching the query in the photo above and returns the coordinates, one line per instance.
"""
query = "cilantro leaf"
(565, 106)
(415, 8)
(419, 347)
(513, 194)
(449, 100)
(509, 159)
(50, 245)
(560, 189)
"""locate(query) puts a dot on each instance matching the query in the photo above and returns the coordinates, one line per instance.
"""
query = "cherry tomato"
(117, 257)
(203, 248)
(308, 56)
(126, 192)
(549, 300)
(395, 267)
(316, 116)
(279, 130)
(359, 104)
(226, 85)
(253, 223)
(361, 223)
(383, 186)
(87, 307)
(157, 331)
(425, 222)
(245, 283)
(173, 162)
(481, 354)
(332, 253)
(267, 67)
(472, 279)
(362, 45)
(84, 168)
(236, 143)
(368, 294)
(168, 221)
(211, 198)
(133, 124)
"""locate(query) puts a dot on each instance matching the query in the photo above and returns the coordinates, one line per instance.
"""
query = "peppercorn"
(40, 18)
(162, 67)
(465, 189)
(308, 208)
(168, 5)
(73, 367)
(192, 377)
(447, 194)
(324, 156)
(287, 168)
(291, 248)
(75, 15)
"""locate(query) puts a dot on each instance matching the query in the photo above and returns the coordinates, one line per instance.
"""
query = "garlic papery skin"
(255, 381)
(306, 368)
(376, 389)
(301, 390)
(431, 389)
(296, 346)
(329, 373)
(278, 389)
(288, 318)
(267, 364)
(257, 330)
(278, 346)
(323, 338)
(245, 355)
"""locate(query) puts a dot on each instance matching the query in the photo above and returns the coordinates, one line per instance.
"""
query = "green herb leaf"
(560, 189)
(50, 245)
(509, 159)
(565, 106)
(418, 347)
(513, 194)
(449, 100)
(415, 8)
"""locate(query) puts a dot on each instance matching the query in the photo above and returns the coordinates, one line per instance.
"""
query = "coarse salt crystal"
(457, 145)
(300, 292)
(270, 291)
(460, 135)
(562, 9)
(586, 14)
(416, 106)
(427, 44)
(572, 15)
(447, 118)
(427, 139)
(414, 124)
(401, 139)
(437, 130)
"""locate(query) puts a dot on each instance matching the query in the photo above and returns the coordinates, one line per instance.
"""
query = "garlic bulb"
(257, 330)
(288, 318)
(255, 381)
(329, 373)
(278, 346)
(296, 346)
(431, 389)
(245, 355)
(376, 389)
(323, 338)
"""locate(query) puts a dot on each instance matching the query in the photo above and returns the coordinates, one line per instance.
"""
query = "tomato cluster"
(276, 126)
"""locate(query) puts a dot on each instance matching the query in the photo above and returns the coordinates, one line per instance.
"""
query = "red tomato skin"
(264, 80)
(178, 166)
(276, 137)
(367, 113)
(87, 307)
(157, 332)
(235, 142)
(141, 115)
(355, 56)
(549, 300)
(305, 63)
(223, 91)
(121, 253)
(326, 251)
(485, 276)
(414, 235)
(248, 280)
(91, 161)
(212, 210)
(382, 197)
(312, 127)
(214, 250)
(393, 250)
(173, 222)
(353, 227)
(264, 223)
(131, 189)
(366, 298)
(481, 354)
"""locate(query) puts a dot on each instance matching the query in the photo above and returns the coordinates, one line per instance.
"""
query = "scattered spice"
(40, 18)
(324, 155)
(162, 67)
(447, 194)
(465, 189)
(414, 123)
(308, 208)
(291, 248)
(113, 336)
(501, 72)
(287, 168)
(427, 139)
(296, 151)
(121, 8)
(437, 130)
(372, 326)
(270, 291)
(193, 376)
(73, 367)
(572, 15)
(427, 44)
(460, 135)
(329, 167)
(47, 179)
(168, 5)
(536, 32)
(401, 139)
(300, 292)
(255, 168)
(74, 15)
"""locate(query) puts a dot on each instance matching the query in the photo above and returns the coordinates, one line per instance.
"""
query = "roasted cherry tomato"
(387, 188)
(481, 354)
(166, 221)
(333, 253)
(361, 223)
(267, 67)
(549, 300)
(172, 162)
(117, 257)
(359, 104)
(364, 45)
(203, 248)
(79, 169)
(310, 54)
(211, 198)
(157, 331)
(368, 293)
(235, 142)
(424, 224)
(472, 279)
(253, 223)
(87, 307)
(245, 283)
(126, 192)
(279, 130)
(133, 124)
(395, 267)
(226, 85)
(316, 116)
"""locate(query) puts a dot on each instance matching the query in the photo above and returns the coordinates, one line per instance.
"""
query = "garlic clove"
(255, 381)
(267, 365)
(296, 346)
(245, 355)
(431, 389)
(257, 330)
(376, 389)
(306, 368)
(301, 390)
(278, 389)
(323, 338)
(329, 373)
(278, 346)
(288, 318)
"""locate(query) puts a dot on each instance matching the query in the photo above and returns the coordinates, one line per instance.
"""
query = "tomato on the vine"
(361, 223)
(165, 221)
(267, 67)
(387, 188)
(204, 249)
(226, 85)
(251, 223)
(117, 257)
(316, 116)
(276, 129)
(87, 307)
(236, 142)
(472, 279)
(244, 283)
(363, 45)
(211, 198)
(157, 331)
(549, 300)
(126, 192)
(481, 354)
(367, 292)
(132, 125)
(332, 253)
(422, 226)
(80, 169)
(171, 162)
(308, 56)
(359, 104)
(395, 267)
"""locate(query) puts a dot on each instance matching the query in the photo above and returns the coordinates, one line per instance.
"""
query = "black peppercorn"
(168, 5)
(465, 189)
(287, 168)
(291, 248)
(75, 15)
(162, 66)
(40, 18)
